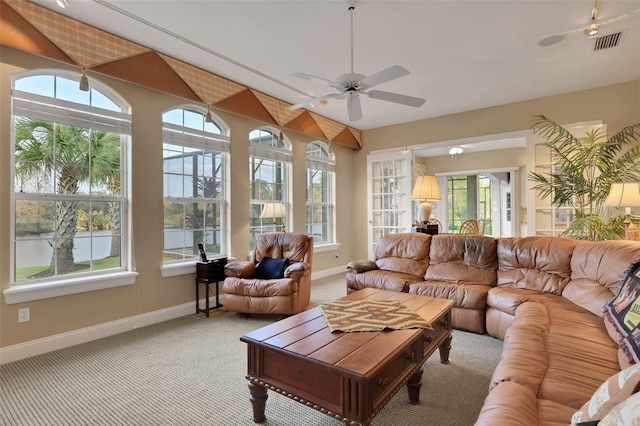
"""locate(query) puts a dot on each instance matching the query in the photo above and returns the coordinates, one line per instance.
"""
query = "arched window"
(320, 172)
(195, 152)
(69, 172)
(269, 164)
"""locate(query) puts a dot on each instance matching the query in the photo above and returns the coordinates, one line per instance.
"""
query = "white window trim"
(324, 247)
(194, 138)
(328, 165)
(71, 113)
(67, 286)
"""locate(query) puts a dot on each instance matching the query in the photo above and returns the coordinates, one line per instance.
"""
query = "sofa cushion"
(535, 263)
(596, 272)
(465, 295)
(613, 391)
(462, 259)
(405, 252)
(259, 287)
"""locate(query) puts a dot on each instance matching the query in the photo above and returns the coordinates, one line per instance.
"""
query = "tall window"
(320, 171)
(269, 163)
(194, 158)
(69, 171)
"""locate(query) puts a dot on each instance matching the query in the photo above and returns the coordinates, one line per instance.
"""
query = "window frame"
(325, 165)
(58, 111)
(189, 137)
(271, 152)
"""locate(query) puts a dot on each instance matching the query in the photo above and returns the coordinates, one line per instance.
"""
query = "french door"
(389, 206)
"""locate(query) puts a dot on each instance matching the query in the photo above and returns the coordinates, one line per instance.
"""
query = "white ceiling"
(462, 55)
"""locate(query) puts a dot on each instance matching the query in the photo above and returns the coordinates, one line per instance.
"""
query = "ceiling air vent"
(608, 41)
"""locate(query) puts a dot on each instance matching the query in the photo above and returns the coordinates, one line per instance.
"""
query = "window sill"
(319, 248)
(178, 268)
(183, 267)
(65, 287)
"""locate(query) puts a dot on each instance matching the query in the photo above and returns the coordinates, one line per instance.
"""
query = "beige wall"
(151, 292)
(617, 106)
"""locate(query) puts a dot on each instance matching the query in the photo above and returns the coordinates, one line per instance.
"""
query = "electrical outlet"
(24, 314)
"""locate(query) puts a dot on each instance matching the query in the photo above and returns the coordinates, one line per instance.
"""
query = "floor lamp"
(625, 195)
(426, 189)
(273, 211)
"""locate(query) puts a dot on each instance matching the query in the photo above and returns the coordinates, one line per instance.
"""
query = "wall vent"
(608, 41)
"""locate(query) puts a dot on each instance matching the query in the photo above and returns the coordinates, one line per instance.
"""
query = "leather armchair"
(286, 295)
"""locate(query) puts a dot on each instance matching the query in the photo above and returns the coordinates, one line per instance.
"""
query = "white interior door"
(389, 186)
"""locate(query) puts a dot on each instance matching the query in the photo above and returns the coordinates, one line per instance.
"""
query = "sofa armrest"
(360, 266)
(297, 270)
(239, 269)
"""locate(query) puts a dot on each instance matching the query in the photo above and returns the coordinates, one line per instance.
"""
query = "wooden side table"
(207, 273)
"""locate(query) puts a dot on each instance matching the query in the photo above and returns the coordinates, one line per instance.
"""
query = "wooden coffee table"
(349, 376)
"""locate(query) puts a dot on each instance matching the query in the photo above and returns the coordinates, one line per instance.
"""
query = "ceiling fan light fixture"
(352, 84)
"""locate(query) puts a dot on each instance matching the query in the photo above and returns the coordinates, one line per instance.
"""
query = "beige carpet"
(190, 371)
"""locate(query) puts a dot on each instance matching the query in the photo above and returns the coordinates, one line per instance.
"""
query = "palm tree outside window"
(194, 160)
(68, 169)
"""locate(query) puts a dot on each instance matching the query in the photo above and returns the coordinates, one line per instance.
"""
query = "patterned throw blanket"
(365, 315)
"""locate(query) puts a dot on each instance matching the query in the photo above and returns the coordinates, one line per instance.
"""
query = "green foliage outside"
(586, 168)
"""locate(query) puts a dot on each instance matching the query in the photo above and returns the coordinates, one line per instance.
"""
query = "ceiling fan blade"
(313, 101)
(383, 76)
(397, 98)
(315, 79)
(552, 39)
(353, 106)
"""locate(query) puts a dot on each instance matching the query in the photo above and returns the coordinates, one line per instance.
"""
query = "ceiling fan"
(352, 85)
(591, 29)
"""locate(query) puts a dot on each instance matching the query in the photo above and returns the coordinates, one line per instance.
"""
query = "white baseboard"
(329, 272)
(83, 335)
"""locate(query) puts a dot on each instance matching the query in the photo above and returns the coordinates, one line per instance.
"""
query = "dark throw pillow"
(270, 268)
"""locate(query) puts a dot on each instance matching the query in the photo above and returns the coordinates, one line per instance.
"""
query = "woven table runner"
(365, 315)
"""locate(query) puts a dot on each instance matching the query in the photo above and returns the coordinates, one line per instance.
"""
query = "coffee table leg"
(413, 387)
(258, 397)
(444, 349)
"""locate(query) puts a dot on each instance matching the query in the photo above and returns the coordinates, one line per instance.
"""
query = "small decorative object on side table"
(209, 272)
(425, 228)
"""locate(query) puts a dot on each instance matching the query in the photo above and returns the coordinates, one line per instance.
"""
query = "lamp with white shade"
(273, 211)
(426, 189)
(625, 195)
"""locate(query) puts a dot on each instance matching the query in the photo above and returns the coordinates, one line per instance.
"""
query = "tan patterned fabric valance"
(34, 29)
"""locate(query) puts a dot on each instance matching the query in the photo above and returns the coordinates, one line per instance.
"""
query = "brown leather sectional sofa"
(543, 296)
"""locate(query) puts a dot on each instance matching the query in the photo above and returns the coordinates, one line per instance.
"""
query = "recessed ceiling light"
(62, 3)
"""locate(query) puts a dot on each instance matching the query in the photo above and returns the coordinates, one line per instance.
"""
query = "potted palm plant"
(585, 169)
